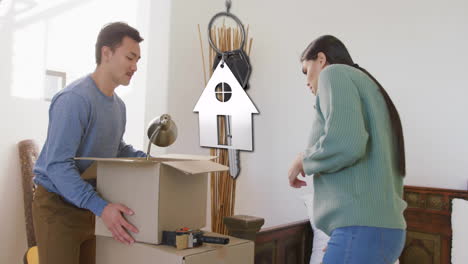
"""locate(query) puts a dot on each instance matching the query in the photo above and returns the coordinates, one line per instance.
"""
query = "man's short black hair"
(111, 35)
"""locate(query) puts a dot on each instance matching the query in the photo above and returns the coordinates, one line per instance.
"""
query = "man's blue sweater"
(83, 122)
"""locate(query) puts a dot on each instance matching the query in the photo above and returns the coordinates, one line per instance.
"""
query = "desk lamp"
(162, 131)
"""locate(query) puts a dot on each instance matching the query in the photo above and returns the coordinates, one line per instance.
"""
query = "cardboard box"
(165, 193)
(238, 251)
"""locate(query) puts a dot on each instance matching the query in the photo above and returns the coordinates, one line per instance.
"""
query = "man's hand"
(294, 171)
(113, 219)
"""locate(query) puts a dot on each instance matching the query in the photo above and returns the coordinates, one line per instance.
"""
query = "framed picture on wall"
(54, 82)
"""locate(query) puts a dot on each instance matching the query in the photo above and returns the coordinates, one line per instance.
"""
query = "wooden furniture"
(291, 243)
(28, 153)
(429, 232)
(243, 226)
(428, 240)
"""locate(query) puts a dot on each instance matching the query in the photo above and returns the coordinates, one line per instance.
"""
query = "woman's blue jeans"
(364, 245)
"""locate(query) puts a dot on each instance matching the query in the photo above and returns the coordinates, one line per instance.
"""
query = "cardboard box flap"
(144, 160)
(186, 157)
(131, 160)
(196, 166)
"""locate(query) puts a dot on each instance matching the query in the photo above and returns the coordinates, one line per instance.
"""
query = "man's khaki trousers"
(64, 232)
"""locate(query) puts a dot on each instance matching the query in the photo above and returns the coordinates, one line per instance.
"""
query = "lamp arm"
(155, 133)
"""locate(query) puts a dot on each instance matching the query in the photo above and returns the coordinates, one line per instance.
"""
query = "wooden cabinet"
(288, 244)
(421, 248)
(428, 239)
(429, 232)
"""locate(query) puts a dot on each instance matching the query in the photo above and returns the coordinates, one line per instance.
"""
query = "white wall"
(52, 34)
(158, 61)
(416, 49)
(19, 121)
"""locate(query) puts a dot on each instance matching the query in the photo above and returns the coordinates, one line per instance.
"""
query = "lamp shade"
(162, 131)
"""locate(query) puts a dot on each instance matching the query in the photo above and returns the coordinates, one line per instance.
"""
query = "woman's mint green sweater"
(352, 154)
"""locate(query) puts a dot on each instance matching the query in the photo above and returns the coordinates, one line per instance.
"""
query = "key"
(239, 63)
(237, 60)
(233, 154)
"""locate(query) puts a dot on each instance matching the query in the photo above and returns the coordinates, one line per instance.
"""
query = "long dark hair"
(336, 53)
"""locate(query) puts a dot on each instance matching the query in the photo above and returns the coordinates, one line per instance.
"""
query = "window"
(223, 92)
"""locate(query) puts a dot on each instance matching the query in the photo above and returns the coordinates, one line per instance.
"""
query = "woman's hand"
(294, 171)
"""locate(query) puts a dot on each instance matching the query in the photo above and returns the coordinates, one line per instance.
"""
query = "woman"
(356, 156)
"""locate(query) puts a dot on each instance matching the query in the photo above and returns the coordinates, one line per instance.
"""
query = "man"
(86, 119)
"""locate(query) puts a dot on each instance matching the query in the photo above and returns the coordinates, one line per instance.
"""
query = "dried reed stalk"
(223, 186)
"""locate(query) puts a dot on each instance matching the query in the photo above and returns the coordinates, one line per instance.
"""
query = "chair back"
(28, 153)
